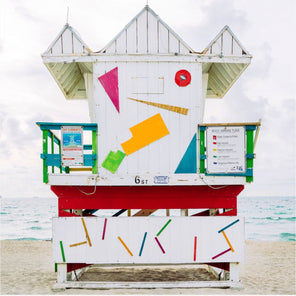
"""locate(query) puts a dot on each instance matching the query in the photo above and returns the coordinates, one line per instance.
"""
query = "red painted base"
(147, 197)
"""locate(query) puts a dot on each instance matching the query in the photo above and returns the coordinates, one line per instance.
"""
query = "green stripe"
(45, 151)
(161, 230)
(62, 250)
(250, 150)
(94, 151)
(202, 151)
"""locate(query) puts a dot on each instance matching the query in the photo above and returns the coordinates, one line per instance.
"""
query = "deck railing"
(227, 149)
(52, 159)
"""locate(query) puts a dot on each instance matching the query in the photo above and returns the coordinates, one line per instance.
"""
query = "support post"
(202, 149)
(250, 149)
(62, 272)
(95, 152)
(234, 272)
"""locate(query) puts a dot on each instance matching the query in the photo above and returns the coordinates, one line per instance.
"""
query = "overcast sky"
(266, 90)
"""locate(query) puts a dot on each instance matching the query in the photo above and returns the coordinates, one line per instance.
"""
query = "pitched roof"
(225, 44)
(68, 41)
(147, 33)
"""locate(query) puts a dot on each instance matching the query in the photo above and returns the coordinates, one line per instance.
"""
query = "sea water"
(266, 218)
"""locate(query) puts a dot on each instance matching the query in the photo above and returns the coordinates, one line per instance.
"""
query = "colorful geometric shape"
(145, 133)
(109, 82)
(62, 251)
(182, 78)
(234, 222)
(123, 243)
(78, 244)
(104, 229)
(222, 253)
(161, 230)
(195, 247)
(176, 109)
(86, 232)
(113, 161)
(228, 242)
(159, 245)
(187, 164)
(143, 242)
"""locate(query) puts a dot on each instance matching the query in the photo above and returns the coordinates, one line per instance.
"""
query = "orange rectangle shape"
(145, 133)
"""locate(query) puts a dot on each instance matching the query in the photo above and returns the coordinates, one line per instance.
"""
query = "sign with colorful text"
(72, 146)
(226, 150)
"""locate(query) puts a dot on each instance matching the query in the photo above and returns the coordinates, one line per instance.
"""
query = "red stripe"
(221, 253)
(147, 197)
(195, 245)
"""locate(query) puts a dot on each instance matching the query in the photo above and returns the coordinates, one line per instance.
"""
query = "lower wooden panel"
(148, 240)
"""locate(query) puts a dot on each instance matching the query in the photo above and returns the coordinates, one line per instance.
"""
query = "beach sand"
(269, 268)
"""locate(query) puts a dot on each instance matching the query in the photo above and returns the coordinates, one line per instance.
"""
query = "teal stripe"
(228, 226)
(143, 242)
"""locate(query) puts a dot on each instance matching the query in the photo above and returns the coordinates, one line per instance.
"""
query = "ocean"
(266, 218)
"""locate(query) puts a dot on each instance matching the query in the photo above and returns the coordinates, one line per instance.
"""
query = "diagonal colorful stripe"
(62, 251)
(104, 229)
(234, 222)
(176, 109)
(159, 245)
(125, 246)
(229, 244)
(222, 253)
(143, 242)
(161, 230)
(86, 232)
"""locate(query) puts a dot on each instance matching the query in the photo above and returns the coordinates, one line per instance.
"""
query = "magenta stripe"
(221, 253)
(104, 230)
(160, 245)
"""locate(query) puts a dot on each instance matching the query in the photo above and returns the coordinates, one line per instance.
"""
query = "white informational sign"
(72, 146)
(226, 150)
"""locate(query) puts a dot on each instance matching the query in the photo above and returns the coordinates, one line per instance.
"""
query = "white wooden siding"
(163, 156)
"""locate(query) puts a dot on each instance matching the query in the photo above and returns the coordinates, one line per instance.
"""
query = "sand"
(269, 268)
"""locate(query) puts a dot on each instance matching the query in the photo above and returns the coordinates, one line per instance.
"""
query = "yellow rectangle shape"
(78, 244)
(229, 244)
(125, 245)
(86, 232)
(145, 133)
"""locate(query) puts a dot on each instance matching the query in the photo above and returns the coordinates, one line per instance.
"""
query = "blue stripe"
(143, 242)
(228, 226)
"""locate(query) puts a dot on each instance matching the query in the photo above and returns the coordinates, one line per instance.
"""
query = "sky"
(265, 91)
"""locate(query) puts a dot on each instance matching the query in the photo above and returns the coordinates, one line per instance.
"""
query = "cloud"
(30, 94)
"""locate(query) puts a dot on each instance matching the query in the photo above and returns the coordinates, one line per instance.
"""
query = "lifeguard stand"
(149, 150)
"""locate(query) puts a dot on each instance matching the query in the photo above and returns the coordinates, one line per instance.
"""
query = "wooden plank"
(159, 197)
(147, 285)
(230, 124)
(145, 212)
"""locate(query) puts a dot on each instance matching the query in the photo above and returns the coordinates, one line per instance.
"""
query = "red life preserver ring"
(182, 78)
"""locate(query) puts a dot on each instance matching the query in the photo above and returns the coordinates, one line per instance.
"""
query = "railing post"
(250, 149)
(52, 149)
(94, 151)
(202, 149)
(45, 150)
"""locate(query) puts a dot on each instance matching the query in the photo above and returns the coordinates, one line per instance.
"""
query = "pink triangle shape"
(110, 83)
